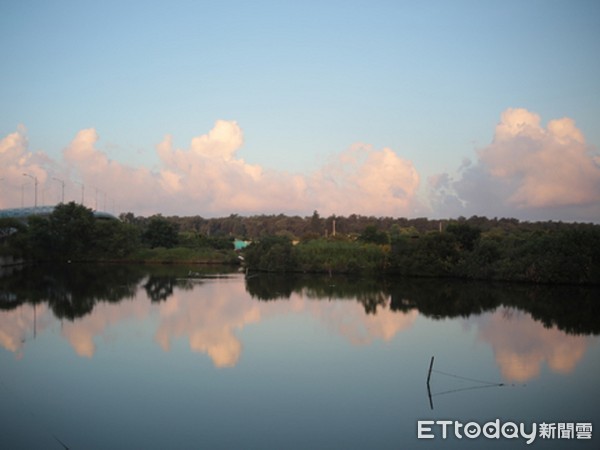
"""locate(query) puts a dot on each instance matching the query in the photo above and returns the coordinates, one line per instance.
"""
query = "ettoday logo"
(432, 429)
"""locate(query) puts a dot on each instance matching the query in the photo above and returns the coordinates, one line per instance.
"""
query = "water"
(161, 357)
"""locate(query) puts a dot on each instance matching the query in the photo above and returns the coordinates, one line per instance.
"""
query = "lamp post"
(82, 191)
(23, 194)
(63, 188)
(35, 181)
(96, 201)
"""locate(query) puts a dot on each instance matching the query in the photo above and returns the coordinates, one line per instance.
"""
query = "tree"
(11, 231)
(465, 234)
(372, 235)
(273, 254)
(115, 239)
(316, 224)
(71, 230)
(66, 234)
(160, 233)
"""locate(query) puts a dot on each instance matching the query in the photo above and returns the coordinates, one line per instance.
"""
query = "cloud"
(359, 179)
(367, 181)
(15, 160)
(104, 177)
(527, 171)
(209, 178)
(209, 175)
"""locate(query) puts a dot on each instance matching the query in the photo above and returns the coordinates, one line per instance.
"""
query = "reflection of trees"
(439, 299)
(366, 290)
(267, 286)
(372, 301)
(71, 290)
(159, 288)
(572, 309)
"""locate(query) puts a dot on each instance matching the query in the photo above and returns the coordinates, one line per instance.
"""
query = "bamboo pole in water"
(428, 387)
(429, 373)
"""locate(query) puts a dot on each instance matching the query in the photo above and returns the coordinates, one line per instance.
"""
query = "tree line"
(477, 248)
(473, 248)
(72, 233)
(306, 227)
(567, 254)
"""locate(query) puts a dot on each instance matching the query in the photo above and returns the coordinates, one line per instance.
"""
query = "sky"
(386, 108)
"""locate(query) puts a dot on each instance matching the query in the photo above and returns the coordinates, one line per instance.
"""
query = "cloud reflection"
(211, 318)
(82, 333)
(208, 319)
(348, 319)
(521, 345)
(21, 324)
(208, 322)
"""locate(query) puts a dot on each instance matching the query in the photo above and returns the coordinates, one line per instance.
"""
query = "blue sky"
(304, 81)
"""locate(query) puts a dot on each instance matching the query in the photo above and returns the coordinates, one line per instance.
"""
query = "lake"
(177, 357)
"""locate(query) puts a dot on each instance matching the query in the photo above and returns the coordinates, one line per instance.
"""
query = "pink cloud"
(367, 181)
(526, 170)
(124, 184)
(209, 178)
(15, 160)
(552, 166)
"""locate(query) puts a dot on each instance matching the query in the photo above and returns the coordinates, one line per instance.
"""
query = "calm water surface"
(111, 357)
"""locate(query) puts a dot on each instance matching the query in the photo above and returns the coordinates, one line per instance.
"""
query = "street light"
(82, 191)
(63, 188)
(35, 180)
(104, 194)
(23, 193)
(96, 202)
